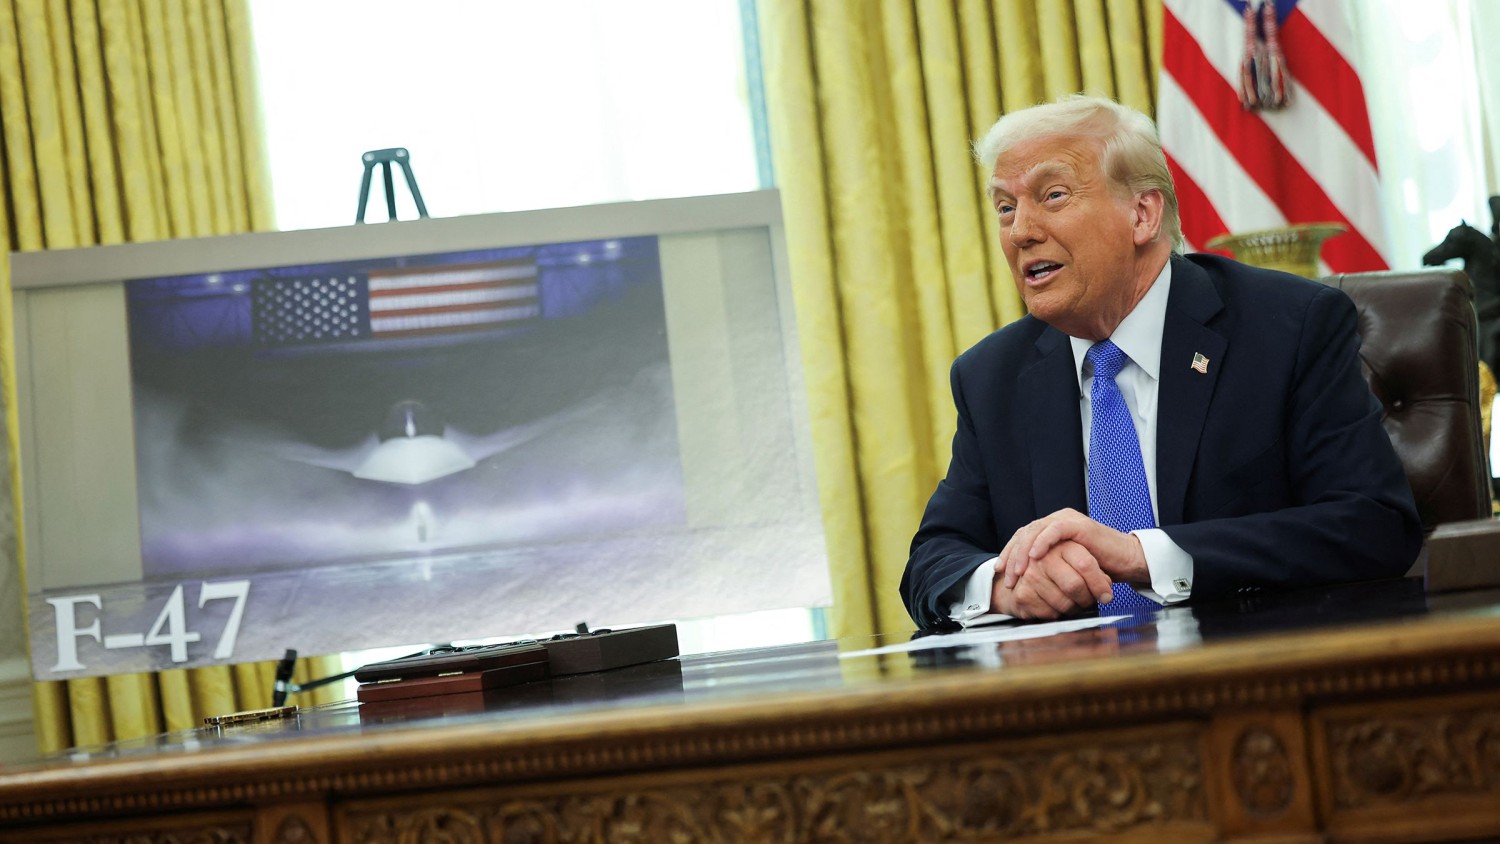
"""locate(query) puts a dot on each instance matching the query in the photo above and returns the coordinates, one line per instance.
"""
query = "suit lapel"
(1048, 390)
(1184, 393)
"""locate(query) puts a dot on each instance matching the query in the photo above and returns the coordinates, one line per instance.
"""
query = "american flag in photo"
(464, 297)
(394, 302)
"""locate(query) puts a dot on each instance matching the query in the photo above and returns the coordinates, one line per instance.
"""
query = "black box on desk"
(602, 650)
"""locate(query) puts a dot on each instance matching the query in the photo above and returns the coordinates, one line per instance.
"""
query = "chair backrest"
(1420, 355)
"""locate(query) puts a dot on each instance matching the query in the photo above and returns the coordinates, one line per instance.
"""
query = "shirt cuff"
(974, 608)
(1171, 568)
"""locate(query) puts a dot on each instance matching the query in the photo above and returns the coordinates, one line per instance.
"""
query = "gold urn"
(1292, 249)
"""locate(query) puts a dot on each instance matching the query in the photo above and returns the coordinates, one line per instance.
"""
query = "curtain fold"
(126, 120)
(895, 263)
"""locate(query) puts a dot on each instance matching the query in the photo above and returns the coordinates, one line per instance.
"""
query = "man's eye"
(1003, 209)
(1056, 194)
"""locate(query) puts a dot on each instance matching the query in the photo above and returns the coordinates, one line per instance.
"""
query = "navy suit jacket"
(1273, 469)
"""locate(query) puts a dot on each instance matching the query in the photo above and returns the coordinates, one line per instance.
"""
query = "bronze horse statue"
(1481, 257)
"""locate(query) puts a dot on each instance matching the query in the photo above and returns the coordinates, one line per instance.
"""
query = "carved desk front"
(1363, 713)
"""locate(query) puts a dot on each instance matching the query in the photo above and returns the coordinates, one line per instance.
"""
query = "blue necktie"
(1119, 496)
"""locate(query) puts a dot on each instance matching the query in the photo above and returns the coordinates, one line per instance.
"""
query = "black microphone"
(284, 671)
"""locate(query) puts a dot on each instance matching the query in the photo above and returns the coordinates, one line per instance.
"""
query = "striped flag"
(340, 307)
(1239, 169)
(428, 300)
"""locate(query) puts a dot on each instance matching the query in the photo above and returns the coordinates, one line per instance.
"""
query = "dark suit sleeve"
(957, 533)
(1346, 509)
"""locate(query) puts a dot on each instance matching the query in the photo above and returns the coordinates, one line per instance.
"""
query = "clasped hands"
(1062, 563)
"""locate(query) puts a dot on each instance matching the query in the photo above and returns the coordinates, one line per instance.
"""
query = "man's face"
(1068, 234)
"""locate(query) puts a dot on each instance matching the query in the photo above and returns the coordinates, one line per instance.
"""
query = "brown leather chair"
(1418, 346)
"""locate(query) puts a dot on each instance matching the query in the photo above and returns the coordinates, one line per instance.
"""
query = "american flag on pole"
(1242, 168)
(342, 306)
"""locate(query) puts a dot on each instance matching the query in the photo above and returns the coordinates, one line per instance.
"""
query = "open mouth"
(1041, 270)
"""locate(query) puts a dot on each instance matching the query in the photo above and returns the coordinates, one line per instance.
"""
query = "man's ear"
(1146, 214)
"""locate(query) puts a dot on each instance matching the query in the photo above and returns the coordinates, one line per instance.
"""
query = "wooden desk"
(1365, 713)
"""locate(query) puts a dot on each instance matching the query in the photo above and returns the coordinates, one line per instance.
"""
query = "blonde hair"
(1132, 156)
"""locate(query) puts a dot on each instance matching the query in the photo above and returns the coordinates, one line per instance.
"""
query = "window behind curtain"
(505, 106)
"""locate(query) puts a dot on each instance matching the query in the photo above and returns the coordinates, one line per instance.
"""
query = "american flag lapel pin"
(1200, 363)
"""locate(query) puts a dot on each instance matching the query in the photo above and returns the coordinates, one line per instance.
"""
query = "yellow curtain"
(126, 120)
(895, 264)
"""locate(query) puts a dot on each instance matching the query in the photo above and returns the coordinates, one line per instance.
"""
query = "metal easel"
(385, 158)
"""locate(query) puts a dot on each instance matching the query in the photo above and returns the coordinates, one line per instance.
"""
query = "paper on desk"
(989, 635)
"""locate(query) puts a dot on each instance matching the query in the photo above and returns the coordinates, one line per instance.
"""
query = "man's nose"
(1023, 231)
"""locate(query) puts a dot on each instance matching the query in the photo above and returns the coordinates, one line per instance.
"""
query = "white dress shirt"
(1139, 337)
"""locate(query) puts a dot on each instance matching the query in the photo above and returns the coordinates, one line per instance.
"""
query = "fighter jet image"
(414, 446)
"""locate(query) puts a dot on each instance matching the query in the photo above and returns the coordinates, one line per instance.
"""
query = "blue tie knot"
(1107, 358)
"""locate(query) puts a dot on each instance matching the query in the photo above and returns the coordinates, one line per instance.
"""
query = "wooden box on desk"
(1463, 555)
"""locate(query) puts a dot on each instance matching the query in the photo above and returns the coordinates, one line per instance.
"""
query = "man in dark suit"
(1230, 442)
